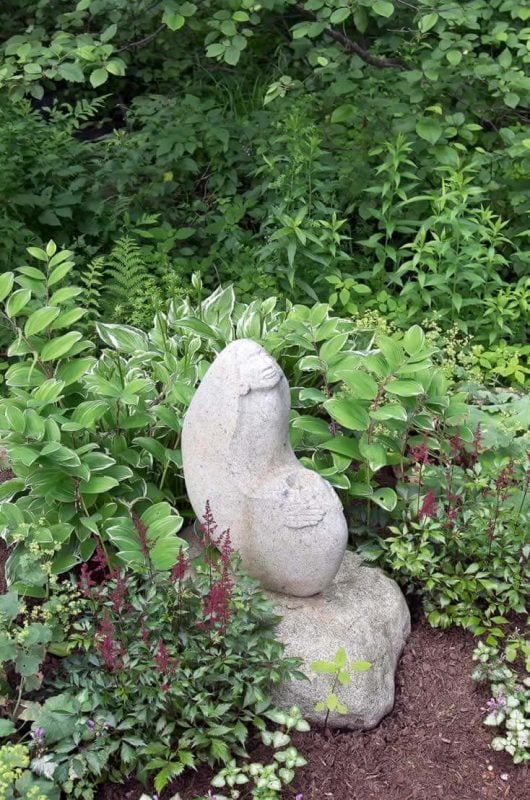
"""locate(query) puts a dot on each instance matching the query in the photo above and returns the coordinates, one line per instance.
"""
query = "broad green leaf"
(349, 413)
(98, 484)
(343, 445)
(60, 347)
(40, 320)
(383, 7)
(173, 19)
(68, 318)
(63, 294)
(17, 301)
(454, 57)
(71, 71)
(340, 658)
(427, 22)
(123, 338)
(98, 76)
(390, 411)
(413, 340)
(71, 371)
(429, 128)
(89, 412)
(404, 388)
(361, 385)
(60, 272)
(333, 346)
(344, 113)
(323, 666)
(9, 606)
(6, 284)
(313, 425)
(374, 454)
(38, 253)
(6, 728)
(386, 498)
(339, 15)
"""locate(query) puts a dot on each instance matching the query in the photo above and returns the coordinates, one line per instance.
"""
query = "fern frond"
(126, 271)
(92, 279)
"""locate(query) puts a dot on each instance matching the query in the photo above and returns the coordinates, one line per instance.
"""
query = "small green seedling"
(341, 676)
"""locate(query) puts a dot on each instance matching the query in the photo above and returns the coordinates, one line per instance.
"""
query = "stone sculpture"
(286, 521)
(287, 524)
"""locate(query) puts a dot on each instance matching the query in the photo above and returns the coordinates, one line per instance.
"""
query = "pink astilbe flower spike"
(428, 507)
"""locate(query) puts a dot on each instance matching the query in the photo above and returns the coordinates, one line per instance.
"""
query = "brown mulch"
(432, 746)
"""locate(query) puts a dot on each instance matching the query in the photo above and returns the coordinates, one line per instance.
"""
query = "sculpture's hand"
(299, 515)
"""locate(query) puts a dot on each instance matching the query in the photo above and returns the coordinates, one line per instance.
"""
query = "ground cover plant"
(345, 182)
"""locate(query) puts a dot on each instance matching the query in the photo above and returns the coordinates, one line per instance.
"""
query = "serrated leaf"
(71, 71)
(360, 666)
(327, 667)
(341, 658)
(6, 727)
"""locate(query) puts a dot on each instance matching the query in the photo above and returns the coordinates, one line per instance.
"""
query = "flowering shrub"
(169, 670)
(509, 706)
(463, 544)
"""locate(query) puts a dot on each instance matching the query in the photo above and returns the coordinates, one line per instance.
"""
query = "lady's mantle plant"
(509, 706)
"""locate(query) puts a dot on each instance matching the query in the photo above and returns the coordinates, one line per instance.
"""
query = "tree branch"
(142, 42)
(354, 47)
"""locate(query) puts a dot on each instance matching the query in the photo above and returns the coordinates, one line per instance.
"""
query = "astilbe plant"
(463, 543)
(169, 669)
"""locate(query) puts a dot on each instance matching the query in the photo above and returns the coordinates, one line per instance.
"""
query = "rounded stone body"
(286, 521)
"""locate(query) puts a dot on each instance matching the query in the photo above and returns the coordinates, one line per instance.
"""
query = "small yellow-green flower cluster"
(14, 758)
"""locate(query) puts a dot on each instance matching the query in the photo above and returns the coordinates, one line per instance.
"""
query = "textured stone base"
(363, 611)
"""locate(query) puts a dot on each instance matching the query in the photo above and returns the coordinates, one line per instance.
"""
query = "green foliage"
(257, 152)
(157, 684)
(84, 435)
(17, 781)
(509, 706)
(268, 780)
(340, 670)
(463, 544)
(26, 636)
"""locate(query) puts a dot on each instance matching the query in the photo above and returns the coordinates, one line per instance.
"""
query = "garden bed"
(432, 745)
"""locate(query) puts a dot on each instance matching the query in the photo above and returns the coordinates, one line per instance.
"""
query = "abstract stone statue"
(286, 521)
(287, 524)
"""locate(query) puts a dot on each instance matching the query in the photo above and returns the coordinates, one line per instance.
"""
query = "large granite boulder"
(363, 611)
